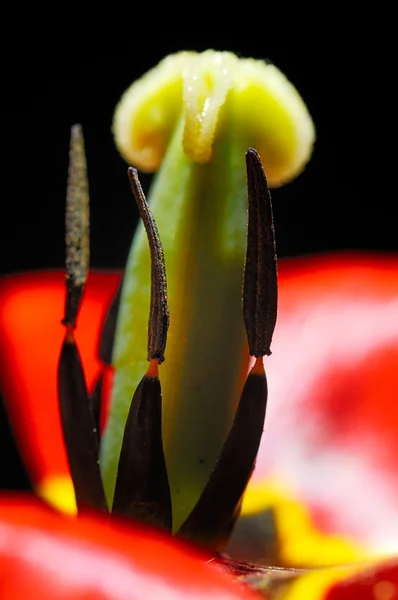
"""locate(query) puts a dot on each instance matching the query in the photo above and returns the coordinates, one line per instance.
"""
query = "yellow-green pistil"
(194, 116)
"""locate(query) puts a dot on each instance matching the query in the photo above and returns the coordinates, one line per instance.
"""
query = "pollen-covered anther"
(159, 316)
(78, 422)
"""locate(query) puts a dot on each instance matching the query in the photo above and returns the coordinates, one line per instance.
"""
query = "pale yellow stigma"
(207, 79)
(215, 92)
(147, 114)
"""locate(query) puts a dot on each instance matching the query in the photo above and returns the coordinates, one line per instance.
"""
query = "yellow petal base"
(59, 493)
(301, 543)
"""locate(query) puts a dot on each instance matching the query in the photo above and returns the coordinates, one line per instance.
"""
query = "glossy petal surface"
(44, 555)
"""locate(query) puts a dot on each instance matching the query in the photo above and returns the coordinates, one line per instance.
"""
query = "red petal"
(31, 310)
(379, 582)
(44, 555)
(331, 433)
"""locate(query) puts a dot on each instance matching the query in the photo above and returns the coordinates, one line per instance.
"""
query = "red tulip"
(45, 555)
(331, 435)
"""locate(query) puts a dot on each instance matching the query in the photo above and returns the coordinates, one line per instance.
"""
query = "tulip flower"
(167, 459)
(174, 444)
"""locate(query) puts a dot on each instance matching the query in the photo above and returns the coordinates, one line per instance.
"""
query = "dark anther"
(77, 227)
(142, 487)
(260, 285)
(218, 507)
(159, 312)
(78, 423)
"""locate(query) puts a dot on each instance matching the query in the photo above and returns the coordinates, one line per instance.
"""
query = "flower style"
(190, 117)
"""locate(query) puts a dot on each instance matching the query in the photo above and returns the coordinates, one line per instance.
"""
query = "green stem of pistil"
(200, 211)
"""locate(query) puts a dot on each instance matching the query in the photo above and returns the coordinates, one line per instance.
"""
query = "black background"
(343, 200)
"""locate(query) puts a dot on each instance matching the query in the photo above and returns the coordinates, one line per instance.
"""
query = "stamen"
(77, 226)
(159, 317)
(80, 432)
(218, 508)
(142, 487)
(260, 287)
